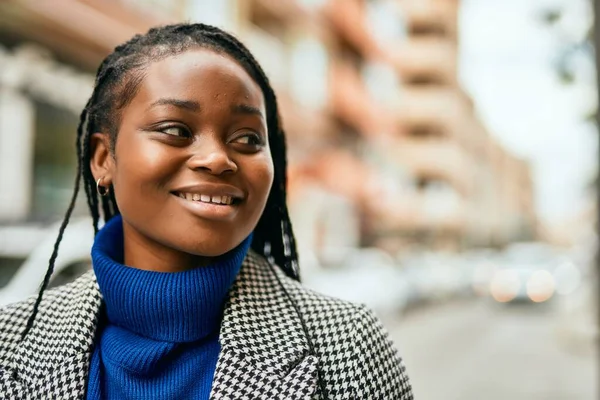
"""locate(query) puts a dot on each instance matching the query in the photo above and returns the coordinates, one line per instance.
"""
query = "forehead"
(199, 74)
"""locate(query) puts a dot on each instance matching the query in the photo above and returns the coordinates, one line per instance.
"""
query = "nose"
(211, 156)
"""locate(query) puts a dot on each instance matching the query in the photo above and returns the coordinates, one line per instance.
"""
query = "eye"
(175, 130)
(251, 139)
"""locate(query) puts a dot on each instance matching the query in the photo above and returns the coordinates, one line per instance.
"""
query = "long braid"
(90, 193)
(83, 152)
(94, 202)
(61, 231)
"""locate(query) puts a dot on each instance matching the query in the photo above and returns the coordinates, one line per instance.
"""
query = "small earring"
(102, 190)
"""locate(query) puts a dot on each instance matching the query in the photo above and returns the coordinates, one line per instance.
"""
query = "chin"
(215, 246)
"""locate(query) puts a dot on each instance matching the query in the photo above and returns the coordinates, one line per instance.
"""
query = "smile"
(205, 198)
(216, 208)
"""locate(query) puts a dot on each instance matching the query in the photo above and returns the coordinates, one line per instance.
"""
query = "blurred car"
(367, 276)
(479, 268)
(526, 273)
(433, 277)
(73, 258)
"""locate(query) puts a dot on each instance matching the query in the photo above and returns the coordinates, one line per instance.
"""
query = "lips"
(210, 201)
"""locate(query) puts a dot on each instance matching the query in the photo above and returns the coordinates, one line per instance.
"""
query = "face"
(192, 169)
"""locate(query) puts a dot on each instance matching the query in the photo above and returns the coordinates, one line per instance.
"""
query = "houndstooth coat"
(265, 352)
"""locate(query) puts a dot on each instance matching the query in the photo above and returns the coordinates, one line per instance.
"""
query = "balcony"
(425, 61)
(340, 172)
(435, 159)
(274, 16)
(351, 102)
(348, 20)
(305, 128)
(444, 109)
(431, 17)
(80, 32)
(420, 211)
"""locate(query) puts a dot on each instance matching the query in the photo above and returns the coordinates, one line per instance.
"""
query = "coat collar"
(264, 350)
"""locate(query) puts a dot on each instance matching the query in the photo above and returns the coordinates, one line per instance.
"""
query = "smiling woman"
(195, 287)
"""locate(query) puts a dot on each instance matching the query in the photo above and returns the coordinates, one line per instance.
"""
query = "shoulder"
(353, 346)
(320, 311)
(328, 317)
(58, 305)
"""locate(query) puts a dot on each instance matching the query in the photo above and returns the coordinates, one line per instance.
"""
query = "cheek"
(262, 177)
(142, 164)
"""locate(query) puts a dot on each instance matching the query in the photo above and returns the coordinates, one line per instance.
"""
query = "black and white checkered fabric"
(265, 351)
(52, 363)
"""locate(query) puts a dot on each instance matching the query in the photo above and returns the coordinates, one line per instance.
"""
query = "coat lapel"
(264, 350)
(53, 360)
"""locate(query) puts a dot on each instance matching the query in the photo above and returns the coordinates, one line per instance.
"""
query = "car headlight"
(540, 286)
(505, 285)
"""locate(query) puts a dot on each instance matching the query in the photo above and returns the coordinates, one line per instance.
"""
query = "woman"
(194, 291)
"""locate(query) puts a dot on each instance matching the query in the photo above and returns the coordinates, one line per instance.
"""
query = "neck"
(181, 306)
(146, 254)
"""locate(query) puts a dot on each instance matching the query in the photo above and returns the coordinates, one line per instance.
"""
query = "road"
(476, 350)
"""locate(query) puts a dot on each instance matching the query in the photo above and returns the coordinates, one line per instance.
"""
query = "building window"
(309, 73)
(54, 163)
(220, 13)
(386, 22)
(382, 83)
(424, 79)
(271, 53)
(428, 29)
(426, 131)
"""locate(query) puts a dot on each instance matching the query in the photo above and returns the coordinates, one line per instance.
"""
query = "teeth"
(206, 198)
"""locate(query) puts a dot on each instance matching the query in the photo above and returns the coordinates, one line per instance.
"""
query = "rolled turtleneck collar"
(166, 306)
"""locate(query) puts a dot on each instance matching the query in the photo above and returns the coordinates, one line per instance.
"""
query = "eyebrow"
(185, 104)
(195, 106)
(246, 109)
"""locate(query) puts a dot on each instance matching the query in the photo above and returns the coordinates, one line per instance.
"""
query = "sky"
(506, 65)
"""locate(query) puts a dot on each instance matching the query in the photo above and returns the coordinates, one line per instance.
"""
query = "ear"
(102, 162)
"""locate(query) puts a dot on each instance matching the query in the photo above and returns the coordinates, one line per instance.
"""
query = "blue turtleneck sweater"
(160, 340)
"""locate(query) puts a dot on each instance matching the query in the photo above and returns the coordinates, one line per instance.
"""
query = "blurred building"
(385, 147)
(49, 52)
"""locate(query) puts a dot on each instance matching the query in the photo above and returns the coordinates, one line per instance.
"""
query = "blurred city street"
(473, 350)
(442, 168)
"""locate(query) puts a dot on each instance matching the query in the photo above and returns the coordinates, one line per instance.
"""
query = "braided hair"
(117, 81)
